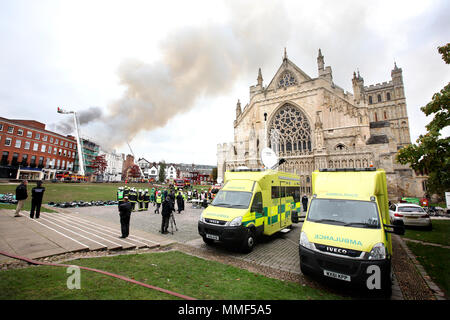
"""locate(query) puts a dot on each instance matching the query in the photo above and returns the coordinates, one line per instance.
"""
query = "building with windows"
(195, 174)
(90, 150)
(146, 167)
(313, 123)
(114, 166)
(29, 151)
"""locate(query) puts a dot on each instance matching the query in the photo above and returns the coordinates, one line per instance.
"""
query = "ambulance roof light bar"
(347, 169)
(246, 169)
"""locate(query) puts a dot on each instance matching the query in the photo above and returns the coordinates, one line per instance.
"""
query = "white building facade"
(113, 172)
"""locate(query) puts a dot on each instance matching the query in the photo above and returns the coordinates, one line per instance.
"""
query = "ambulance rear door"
(284, 206)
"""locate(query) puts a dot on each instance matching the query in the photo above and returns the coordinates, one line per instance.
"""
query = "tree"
(431, 154)
(134, 172)
(162, 172)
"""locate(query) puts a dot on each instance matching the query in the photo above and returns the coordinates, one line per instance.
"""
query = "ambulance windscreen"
(352, 213)
(232, 199)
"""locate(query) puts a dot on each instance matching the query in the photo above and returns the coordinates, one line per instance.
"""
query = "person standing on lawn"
(21, 196)
(180, 202)
(166, 211)
(37, 193)
(125, 214)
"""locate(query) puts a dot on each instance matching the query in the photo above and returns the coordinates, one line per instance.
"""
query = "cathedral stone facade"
(315, 124)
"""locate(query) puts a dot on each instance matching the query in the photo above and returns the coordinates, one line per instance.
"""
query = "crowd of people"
(141, 198)
(164, 200)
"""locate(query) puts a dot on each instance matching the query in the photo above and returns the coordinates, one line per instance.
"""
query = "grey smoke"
(86, 116)
(197, 62)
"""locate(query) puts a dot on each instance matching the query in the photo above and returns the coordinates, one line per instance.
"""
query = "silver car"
(411, 214)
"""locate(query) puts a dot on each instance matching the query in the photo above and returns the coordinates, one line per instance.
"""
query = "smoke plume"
(66, 126)
(196, 62)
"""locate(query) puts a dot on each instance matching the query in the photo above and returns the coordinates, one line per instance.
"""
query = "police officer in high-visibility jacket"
(159, 200)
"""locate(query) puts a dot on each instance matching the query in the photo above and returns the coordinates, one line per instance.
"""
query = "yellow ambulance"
(251, 203)
(346, 234)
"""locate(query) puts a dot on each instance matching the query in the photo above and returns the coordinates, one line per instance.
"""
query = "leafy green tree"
(431, 153)
(162, 172)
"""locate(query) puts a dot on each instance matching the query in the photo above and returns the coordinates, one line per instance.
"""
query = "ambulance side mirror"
(397, 226)
(257, 207)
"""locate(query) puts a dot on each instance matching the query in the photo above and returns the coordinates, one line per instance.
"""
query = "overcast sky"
(166, 75)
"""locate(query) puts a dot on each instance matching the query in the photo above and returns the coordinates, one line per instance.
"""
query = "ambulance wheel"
(207, 240)
(249, 241)
(386, 286)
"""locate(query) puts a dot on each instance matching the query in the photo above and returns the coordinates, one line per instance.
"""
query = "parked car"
(410, 214)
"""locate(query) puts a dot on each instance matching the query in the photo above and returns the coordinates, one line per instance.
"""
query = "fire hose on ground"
(35, 262)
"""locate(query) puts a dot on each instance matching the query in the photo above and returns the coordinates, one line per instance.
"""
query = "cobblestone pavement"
(279, 251)
(148, 221)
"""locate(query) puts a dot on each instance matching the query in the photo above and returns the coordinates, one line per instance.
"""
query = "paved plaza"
(279, 251)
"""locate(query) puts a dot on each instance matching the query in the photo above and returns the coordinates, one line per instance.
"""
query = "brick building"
(126, 167)
(29, 151)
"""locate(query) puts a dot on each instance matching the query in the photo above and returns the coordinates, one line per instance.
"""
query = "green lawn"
(64, 192)
(172, 270)
(436, 262)
(440, 233)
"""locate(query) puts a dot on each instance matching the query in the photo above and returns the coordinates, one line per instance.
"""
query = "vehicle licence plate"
(336, 275)
(212, 236)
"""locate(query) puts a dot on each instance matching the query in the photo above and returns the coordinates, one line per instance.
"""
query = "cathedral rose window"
(286, 80)
(290, 130)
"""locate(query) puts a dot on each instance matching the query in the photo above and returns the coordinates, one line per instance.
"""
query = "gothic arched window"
(289, 130)
(340, 147)
(287, 80)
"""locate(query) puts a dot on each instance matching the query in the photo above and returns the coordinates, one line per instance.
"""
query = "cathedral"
(313, 123)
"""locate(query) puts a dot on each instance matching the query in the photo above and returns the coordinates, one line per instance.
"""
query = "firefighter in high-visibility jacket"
(140, 200)
(132, 196)
(120, 195)
(146, 199)
(126, 191)
(159, 200)
(153, 196)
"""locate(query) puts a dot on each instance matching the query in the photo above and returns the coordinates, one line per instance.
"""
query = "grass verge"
(440, 233)
(171, 270)
(65, 192)
(436, 262)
